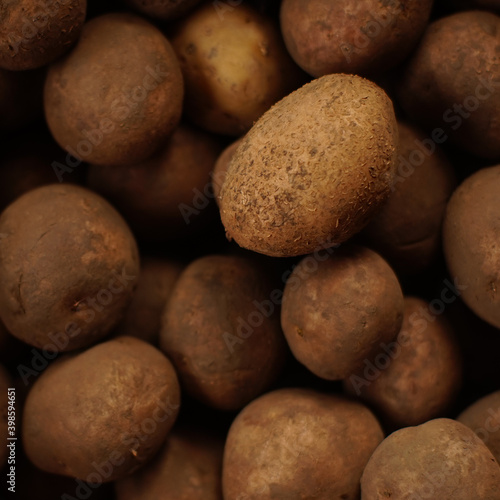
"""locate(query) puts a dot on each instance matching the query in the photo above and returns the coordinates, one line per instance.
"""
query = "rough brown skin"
(483, 417)
(313, 170)
(451, 81)
(439, 459)
(418, 376)
(352, 36)
(337, 312)
(188, 467)
(298, 443)
(118, 95)
(68, 267)
(471, 244)
(208, 333)
(115, 402)
(33, 34)
(163, 9)
(221, 166)
(235, 67)
(5, 383)
(142, 318)
(407, 230)
(151, 194)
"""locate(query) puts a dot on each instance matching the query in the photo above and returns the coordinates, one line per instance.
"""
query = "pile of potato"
(250, 250)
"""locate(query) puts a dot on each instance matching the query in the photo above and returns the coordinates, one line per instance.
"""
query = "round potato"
(163, 9)
(352, 36)
(101, 414)
(417, 376)
(298, 443)
(439, 459)
(471, 242)
(118, 95)
(33, 33)
(313, 170)
(235, 66)
(68, 267)
(221, 330)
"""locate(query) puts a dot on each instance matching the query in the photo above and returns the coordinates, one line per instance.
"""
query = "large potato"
(313, 170)
(101, 414)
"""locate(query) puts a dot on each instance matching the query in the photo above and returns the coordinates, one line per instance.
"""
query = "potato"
(143, 316)
(68, 267)
(235, 66)
(418, 375)
(339, 311)
(352, 36)
(32, 33)
(5, 383)
(451, 82)
(407, 230)
(189, 467)
(313, 170)
(221, 166)
(298, 443)
(483, 417)
(439, 459)
(163, 9)
(221, 330)
(118, 95)
(101, 414)
(167, 195)
(471, 242)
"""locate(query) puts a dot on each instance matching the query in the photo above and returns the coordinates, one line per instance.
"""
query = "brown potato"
(68, 267)
(101, 414)
(221, 166)
(483, 417)
(33, 34)
(471, 242)
(313, 170)
(118, 95)
(441, 459)
(221, 330)
(407, 230)
(163, 9)
(451, 82)
(189, 467)
(338, 310)
(352, 36)
(417, 376)
(235, 66)
(5, 383)
(298, 443)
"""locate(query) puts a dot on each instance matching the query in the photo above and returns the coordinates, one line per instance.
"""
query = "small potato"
(189, 467)
(5, 383)
(483, 417)
(163, 9)
(101, 414)
(298, 443)
(471, 242)
(221, 330)
(68, 267)
(235, 67)
(118, 95)
(33, 33)
(417, 376)
(441, 459)
(339, 311)
(352, 36)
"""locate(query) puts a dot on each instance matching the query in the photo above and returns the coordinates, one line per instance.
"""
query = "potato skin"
(313, 170)
(208, 331)
(32, 34)
(338, 314)
(420, 375)
(221, 166)
(439, 459)
(459, 55)
(235, 67)
(189, 467)
(93, 407)
(471, 242)
(352, 36)
(5, 383)
(118, 95)
(68, 267)
(298, 443)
